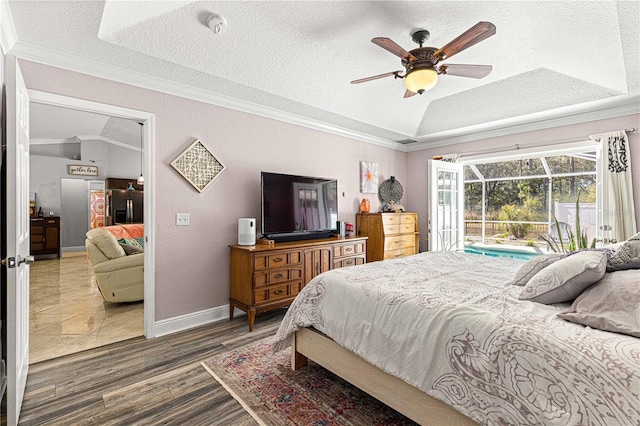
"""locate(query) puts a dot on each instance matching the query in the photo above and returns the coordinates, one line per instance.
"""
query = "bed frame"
(307, 343)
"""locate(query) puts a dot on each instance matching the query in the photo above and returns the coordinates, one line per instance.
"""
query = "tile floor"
(68, 314)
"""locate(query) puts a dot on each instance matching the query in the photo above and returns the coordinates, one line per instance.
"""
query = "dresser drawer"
(277, 260)
(391, 219)
(348, 249)
(348, 261)
(408, 218)
(401, 241)
(402, 252)
(279, 292)
(267, 278)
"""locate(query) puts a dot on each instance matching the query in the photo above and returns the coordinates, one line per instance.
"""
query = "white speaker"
(246, 232)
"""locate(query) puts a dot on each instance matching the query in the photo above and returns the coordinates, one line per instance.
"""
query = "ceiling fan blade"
(375, 77)
(393, 47)
(473, 71)
(409, 94)
(475, 34)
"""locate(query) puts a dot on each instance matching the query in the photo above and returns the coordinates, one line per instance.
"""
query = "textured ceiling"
(299, 57)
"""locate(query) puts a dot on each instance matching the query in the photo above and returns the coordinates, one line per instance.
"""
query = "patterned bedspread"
(451, 325)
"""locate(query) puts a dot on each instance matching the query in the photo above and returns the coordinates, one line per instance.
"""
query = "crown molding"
(118, 143)
(8, 37)
(597, 110)
(73, 63)
(82, 138)
(618, 106)
(45, 141)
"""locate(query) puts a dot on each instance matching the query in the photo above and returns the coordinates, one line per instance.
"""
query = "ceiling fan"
(422, 65)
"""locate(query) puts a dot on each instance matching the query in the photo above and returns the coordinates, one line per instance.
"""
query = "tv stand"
(269, 276)
(298, 236)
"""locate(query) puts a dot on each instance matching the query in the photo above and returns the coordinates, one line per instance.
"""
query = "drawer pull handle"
(349, 262)
(348, 249)
(278, 276)
(278, 259)
(278, 291)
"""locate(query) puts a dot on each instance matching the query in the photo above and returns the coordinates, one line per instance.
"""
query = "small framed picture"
(368, 177)
(77, 169)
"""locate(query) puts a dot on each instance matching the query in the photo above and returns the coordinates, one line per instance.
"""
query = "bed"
(444, 338)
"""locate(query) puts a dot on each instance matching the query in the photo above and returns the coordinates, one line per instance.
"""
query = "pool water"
(485, 251)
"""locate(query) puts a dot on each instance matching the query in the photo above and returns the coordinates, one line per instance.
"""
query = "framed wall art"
(368, 177)
(198, 166)
(77, 169)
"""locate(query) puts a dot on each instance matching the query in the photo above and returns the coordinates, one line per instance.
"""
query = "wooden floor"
(143, 382)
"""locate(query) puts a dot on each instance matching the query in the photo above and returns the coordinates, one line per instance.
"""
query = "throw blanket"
(451, 325)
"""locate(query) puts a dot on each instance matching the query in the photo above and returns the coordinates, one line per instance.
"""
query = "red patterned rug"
(273, 394)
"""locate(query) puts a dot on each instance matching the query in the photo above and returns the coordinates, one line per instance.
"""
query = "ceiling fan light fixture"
(421, 80)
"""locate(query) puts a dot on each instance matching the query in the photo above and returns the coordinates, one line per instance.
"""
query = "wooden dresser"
(45, 236)
(264, 277)
(390, 235)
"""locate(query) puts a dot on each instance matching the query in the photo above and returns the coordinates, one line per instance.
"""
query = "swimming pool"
(500, 252)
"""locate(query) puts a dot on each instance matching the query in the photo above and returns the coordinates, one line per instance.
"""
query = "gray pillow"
(612, 304)
(535, 265)
(130, 249)
(627, 256)
(565, 279)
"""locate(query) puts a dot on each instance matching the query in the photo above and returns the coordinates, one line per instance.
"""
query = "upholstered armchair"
(120, 277)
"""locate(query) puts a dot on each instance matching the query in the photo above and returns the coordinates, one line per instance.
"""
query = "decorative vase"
(365, 206)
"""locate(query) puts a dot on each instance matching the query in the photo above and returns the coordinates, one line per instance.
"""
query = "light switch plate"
(182, 219)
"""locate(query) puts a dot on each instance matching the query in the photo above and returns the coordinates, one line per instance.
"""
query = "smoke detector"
(217, 24)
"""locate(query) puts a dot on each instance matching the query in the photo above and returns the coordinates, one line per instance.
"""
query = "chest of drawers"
(45, 236)
(390, 235)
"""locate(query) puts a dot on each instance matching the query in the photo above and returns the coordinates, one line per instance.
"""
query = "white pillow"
(565, 279)
(535, 265)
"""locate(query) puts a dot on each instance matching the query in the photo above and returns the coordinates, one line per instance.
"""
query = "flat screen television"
(298, 207)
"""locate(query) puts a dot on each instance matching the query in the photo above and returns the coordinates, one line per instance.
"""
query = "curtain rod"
(633, 129)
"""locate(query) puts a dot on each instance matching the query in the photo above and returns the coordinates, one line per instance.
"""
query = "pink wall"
(417, 178)
(192, 263)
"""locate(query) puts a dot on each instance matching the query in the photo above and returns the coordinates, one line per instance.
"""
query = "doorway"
(69, 185)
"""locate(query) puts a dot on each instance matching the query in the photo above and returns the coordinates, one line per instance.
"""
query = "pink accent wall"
(417, 178)
(192, 263)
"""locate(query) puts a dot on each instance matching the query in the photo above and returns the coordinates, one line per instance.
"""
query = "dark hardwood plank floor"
(143, 382)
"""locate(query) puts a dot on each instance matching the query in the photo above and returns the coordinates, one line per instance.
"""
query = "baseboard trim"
(192, 320)
(73, 248)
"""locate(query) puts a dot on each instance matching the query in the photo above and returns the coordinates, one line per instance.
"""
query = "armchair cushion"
(106, 242)
(121, 263)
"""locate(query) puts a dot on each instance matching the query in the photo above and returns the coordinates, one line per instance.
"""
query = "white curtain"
(618, 209)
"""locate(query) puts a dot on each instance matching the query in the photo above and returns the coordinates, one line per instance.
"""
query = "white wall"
(111, 160)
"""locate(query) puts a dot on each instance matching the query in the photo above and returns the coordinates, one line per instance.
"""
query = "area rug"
(273, 394)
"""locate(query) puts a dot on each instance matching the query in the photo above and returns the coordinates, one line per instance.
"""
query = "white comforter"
(449, 324)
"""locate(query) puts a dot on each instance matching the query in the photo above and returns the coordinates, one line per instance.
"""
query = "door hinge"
(9, 262)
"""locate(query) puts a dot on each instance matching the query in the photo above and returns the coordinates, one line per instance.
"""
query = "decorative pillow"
(627, 256)
(565, 279)
(535, 265)
(130, 249)
(140, 241)
(106, 242)
(133, 242)
(612, 304)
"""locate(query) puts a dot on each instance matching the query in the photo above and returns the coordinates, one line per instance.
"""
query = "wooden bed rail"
(310, 344)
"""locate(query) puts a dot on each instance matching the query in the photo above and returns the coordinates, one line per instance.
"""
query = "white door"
(446, 206)
(17, 236)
